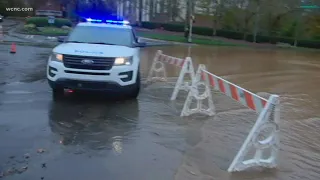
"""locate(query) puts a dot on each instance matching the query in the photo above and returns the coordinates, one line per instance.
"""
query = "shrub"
(231, 34)
(29, 27)
(43, 21)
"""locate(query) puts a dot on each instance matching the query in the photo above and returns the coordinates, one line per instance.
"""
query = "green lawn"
(180, 38)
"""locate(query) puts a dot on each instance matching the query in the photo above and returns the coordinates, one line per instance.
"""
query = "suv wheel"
(134, 94)
(57, 93)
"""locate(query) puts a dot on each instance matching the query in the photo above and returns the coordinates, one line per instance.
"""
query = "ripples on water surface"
(295, 76)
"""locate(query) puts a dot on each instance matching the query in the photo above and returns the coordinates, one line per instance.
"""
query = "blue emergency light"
(93, 20)
(124, 22)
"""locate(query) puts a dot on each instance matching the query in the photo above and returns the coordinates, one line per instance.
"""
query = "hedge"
(43, 22)
(231, 34)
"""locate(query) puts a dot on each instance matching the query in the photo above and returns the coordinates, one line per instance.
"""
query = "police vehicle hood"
(98, 50)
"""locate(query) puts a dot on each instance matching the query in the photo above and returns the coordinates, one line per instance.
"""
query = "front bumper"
(90, 86)
(118, 78)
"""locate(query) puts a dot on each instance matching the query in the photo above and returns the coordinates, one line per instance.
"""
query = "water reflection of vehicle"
(94, 125)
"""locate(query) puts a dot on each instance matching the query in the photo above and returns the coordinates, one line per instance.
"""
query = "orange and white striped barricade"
(195, 94)
(268, 119)
(186, 68)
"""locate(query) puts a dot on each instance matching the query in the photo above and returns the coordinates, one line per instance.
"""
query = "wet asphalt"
(90, 136)
(84, 136)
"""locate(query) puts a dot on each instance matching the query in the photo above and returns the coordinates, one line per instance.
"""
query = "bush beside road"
(180, 38)
(40, 26)
(48, 31)
(43, 22)
(231, 35)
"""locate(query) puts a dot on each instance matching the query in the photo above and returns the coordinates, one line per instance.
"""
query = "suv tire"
(57, 93)
(136, 90)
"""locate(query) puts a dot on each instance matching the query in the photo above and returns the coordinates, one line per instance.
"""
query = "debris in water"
(42, 177)
(27, 155)
(41, 150)
(23, 169)
(156, 133)
(11, 157)
(9, 172)
(191, 172)
(44, 165)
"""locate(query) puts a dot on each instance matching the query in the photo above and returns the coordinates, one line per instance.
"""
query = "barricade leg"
(200, 98)
(268, 119)
(187, 68)
(157, 71)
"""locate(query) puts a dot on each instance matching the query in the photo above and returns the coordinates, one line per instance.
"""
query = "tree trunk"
(161, 6)
(140, 11)
(214, 28)
(151, 9)
(256, 24)
(169, 8)
(175, 10)
(135, 8)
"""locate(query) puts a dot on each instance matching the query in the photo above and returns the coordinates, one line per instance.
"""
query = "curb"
(170, 42)
(45, 45)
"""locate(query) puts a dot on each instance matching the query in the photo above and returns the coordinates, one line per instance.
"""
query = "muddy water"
(295, 76)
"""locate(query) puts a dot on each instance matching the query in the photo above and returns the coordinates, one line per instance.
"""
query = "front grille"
(99, 63)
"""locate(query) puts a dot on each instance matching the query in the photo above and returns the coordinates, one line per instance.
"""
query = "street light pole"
(190, 29)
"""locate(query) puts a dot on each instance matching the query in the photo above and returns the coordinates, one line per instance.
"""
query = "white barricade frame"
(194, 93)
(268, 110)
(186, 69)
(156, 71)
(269, 117)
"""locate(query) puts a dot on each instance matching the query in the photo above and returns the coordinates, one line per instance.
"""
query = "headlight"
(123, 61)
(57, 57)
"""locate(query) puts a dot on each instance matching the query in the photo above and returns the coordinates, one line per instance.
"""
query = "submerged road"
(89, 137)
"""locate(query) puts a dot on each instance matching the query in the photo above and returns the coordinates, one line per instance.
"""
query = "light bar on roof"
(93, 20)
(117, 22)
(124, 22)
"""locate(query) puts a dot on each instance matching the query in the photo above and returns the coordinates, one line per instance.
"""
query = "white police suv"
(97, 56)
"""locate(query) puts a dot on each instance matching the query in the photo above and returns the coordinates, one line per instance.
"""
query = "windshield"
(101, 35)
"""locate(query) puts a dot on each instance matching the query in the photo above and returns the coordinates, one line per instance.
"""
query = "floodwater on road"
(90, 137)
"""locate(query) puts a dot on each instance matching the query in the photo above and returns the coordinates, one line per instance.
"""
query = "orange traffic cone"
(13, 48)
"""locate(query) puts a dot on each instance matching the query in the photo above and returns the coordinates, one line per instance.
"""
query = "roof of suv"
(120, 26)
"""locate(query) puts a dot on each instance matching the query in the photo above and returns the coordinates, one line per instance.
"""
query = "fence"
(268, 109)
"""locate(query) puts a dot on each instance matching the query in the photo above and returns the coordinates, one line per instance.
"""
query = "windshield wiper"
(101, 43)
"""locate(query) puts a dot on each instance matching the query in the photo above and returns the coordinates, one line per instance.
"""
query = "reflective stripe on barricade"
(269, 117)
(237, 93)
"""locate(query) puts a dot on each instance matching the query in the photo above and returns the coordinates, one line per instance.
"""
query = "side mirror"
(61, 39)
(139, 40)
(141, 44)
